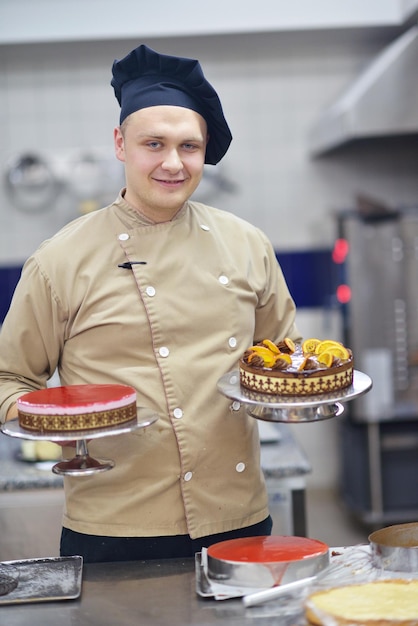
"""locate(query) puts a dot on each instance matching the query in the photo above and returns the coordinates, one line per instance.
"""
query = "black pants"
(96, 549)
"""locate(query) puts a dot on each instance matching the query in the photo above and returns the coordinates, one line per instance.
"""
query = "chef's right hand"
(11, 413)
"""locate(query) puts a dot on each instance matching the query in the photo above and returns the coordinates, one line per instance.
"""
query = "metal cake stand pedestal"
(292, 409)
(82, 464)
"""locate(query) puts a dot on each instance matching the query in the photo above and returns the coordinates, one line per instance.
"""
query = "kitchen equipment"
(9, 578)
(381, 318)
(259, 597)
(380, 103)
(87, 176)
(47, 579)
(379, 438)
(30, 182)
(395, 547)
(292, 409)
(348, 564)
(266, 561)
(82, 463)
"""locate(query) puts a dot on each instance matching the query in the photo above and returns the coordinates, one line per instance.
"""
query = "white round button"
(240, 467)
(150, 291)
(178, 413)
(188, 476)
(204, 227)
(224, 280)
(123, 237)
(232, 342)
(164, 351)
(236, 405)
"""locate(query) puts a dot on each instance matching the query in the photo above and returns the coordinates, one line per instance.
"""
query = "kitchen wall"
(23, 21)
(56, 100)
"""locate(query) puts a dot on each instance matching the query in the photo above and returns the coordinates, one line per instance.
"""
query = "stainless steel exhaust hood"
(382, 102)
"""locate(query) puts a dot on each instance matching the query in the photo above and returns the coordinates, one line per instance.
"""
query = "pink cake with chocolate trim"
(76, 407)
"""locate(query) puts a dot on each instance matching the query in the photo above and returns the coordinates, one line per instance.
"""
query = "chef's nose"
(172, 161)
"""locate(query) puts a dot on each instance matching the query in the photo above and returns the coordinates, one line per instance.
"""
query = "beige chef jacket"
(209, 287)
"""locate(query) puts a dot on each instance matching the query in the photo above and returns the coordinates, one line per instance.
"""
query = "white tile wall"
(56, 99)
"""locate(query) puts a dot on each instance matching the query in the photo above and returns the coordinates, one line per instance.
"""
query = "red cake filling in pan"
(267, 549)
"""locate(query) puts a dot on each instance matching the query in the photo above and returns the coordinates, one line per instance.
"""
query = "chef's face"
(163, 149)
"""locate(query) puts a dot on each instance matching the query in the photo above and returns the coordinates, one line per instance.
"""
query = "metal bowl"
(395, 548)
(265, 561)
(30, 183)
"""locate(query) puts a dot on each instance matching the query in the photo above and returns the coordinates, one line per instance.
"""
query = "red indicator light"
(340, 251)
(343, 294)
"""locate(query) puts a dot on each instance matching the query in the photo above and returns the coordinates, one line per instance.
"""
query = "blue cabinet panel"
(311, 276)
(9, 277)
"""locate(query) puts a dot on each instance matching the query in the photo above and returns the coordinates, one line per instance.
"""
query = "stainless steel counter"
(157, 593)
(281, 459)
(18, 475)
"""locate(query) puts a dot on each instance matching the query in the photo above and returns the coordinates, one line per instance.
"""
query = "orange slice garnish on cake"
(322, 346)
(284, 357)
(253, 356)
(309, 345)
(340, 352)
(306, 363)
(326, 358)
(286, 346)
(290, 344)
(259, 349)
(271, 346)
(266, 354)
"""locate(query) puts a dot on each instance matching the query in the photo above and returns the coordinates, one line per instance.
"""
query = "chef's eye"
(154, 144)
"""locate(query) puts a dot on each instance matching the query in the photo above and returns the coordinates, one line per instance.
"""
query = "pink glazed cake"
(76, 407)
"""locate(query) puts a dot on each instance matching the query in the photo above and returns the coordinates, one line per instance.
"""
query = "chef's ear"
(119, 143)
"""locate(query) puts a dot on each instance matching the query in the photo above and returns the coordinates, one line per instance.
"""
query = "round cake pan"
(395, 548)
(266, 561)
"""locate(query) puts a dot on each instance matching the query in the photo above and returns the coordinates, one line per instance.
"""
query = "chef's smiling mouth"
(168, 181)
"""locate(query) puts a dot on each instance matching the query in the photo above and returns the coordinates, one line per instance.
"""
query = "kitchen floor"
(329, 521)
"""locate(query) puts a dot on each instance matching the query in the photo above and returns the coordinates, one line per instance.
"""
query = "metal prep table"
(155, 593)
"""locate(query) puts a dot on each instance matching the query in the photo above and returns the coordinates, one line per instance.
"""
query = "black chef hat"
(145, 78)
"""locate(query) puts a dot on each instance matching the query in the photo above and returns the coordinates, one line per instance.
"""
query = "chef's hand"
(11, 413)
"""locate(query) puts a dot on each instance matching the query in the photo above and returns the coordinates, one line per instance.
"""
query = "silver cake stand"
(82, 463)
(272, 408)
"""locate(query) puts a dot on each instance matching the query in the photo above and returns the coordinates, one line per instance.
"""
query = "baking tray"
(45, 580)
